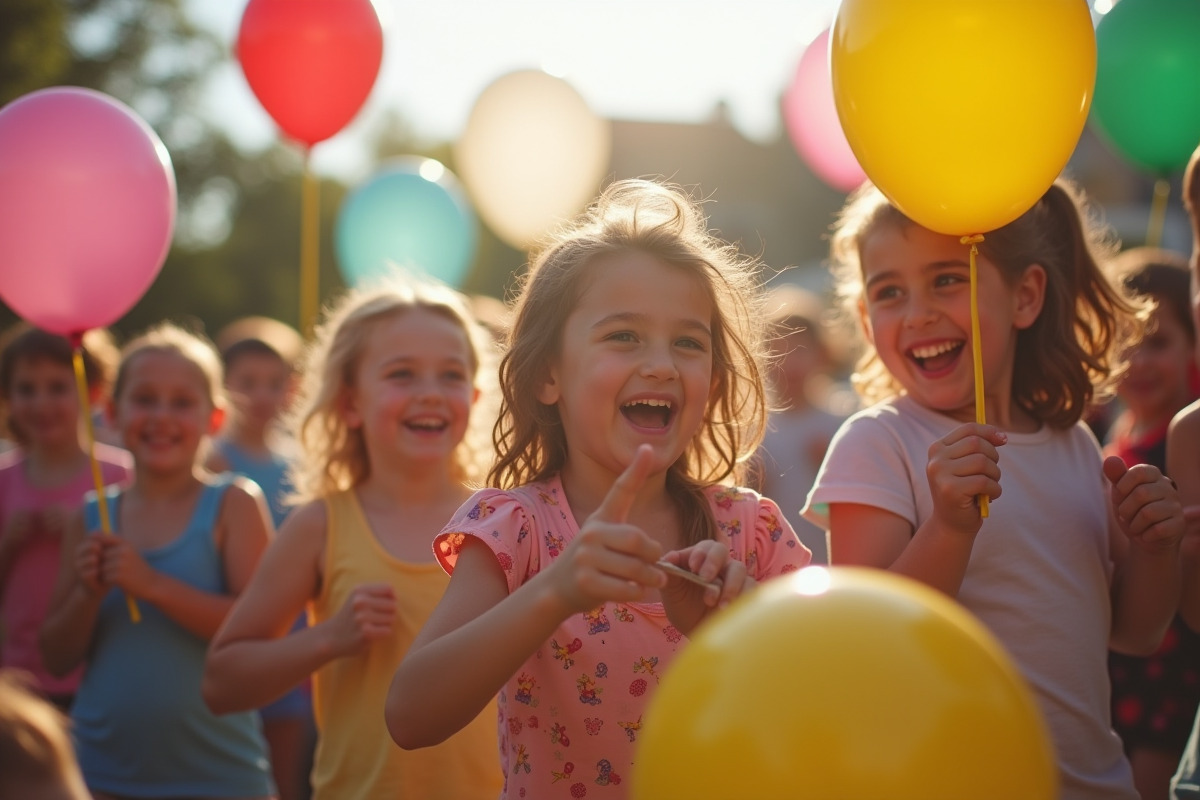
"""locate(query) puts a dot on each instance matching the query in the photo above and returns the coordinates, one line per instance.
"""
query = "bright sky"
(665, 60)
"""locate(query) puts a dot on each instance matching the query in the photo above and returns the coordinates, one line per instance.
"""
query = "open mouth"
(648, 413)
(937, 357)
(426, 425)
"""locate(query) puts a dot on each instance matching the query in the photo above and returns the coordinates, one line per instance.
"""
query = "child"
(36, 759)
(1183, 464)
(42, 483)
(185, 544)
(259, 355)
(631, 391)
(1154, 699)
(1055, 574)
(800, 431)
(382, 420)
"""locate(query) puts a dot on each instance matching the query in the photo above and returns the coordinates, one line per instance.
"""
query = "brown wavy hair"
(662, 221)
(1073, 353)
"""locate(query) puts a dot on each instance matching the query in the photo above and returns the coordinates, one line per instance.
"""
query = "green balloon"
(1147, 102)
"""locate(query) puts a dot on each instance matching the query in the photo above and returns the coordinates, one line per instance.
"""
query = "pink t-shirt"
(570, 717)
(25, 592)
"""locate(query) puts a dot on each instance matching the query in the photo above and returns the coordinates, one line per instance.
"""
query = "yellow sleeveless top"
(356, 757)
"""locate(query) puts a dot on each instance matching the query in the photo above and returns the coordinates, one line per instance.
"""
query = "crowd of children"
(421, 557)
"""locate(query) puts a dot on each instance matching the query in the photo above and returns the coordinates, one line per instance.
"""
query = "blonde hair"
(169, 338)
(333, 457)
(662, 221)
(1072, 354)
(35, 751)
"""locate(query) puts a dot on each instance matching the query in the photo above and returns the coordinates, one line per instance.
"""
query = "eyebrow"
(632, 317)
(934, 266)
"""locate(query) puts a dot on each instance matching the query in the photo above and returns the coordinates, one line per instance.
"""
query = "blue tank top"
(140, 725)
(269, 473)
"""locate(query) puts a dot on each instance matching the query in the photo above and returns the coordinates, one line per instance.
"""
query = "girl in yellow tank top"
(390, 435)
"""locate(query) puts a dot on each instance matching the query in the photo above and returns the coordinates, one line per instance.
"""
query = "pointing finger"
(620, 497)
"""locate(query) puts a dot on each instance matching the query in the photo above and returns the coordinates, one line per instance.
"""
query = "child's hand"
(365, 617)
(687, 603)
(88, 559)
(963, 465)
(1146, 504)
(122, 565)
(610, 559)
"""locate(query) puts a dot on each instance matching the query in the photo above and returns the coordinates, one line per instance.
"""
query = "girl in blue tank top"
(143, 602)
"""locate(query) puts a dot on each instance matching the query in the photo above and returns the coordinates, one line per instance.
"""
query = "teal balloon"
(410, 215)
(1147, 102)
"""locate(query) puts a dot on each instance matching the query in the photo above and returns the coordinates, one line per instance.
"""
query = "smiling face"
(164, 410)
(635, 365)
(258, 385)
(43, 403)
(917, 313)
(413, 389)
(1157, 382)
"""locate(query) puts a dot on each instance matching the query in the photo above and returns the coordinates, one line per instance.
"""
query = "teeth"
(934, 350)
(652, 403)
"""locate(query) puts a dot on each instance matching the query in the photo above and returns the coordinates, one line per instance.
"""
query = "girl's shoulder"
(112, 455)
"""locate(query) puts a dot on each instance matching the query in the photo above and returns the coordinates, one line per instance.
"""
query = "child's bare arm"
(66, 633)
(1145, 545)
(1183, 465)
(254, 658)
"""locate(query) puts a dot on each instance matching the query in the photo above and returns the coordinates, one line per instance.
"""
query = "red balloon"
(311, 63)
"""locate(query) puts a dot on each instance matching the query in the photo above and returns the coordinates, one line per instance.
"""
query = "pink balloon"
(87, 208)
(812, 122)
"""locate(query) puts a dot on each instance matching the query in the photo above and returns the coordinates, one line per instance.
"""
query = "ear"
(1029, 295)
(475, 395)
(347, 408)
(216, 420)
(549, 392)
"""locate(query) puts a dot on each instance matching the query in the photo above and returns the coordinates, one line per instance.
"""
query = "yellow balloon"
(963, 112)
(532, 155)
(843, 683)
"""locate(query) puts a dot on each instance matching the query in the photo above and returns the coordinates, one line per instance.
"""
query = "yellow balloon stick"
(976, 349)
(135, 613)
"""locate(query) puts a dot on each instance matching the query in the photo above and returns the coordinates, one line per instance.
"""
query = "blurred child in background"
(184, 544)
(1154, 698)
(260, 356)
(42, 483)
(800, 426)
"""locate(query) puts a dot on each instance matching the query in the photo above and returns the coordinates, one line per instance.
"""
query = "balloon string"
(309, 243)
(101, 498)
(1158, 212)
(976, 349)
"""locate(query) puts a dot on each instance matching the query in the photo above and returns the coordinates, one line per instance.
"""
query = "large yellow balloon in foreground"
(963, 112)
(844, 683)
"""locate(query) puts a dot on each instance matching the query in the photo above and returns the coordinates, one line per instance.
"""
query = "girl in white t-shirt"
(1052, 570)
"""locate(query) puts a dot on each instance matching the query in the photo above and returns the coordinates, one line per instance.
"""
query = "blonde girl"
(185, 544)
(383, 423)
(632, 396)
(1078, 553)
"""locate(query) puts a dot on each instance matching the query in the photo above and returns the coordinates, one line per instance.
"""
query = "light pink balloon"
(812, 122)
(87, 208)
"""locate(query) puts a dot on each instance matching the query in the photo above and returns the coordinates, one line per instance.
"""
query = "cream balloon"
(532, 155)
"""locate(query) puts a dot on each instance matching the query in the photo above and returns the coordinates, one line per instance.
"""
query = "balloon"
(410, 214)
(87, 208)
(963, 112)
(311, 63)
(532, 155)
(843, 683)
(1148, 81)
(812, 122)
